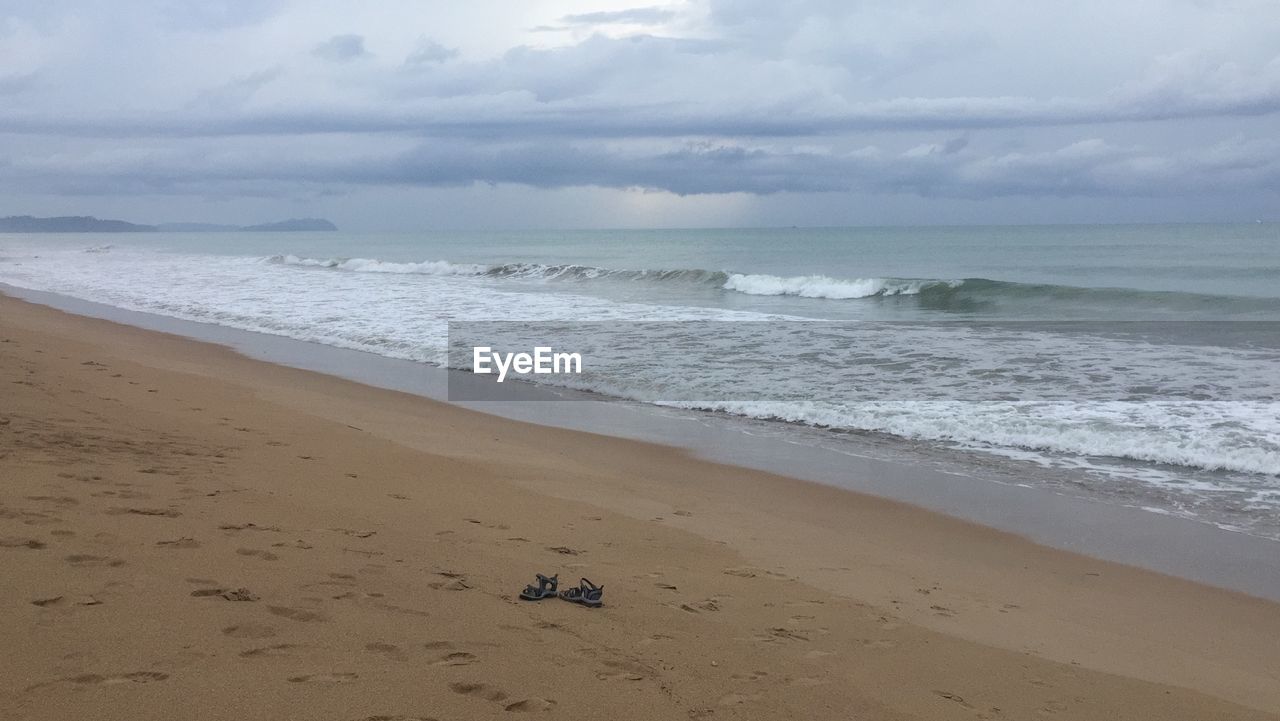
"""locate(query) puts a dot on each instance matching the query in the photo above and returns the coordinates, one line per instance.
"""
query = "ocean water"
(1135, 364)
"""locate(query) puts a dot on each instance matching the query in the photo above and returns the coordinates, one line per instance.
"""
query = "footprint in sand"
(247, 527)
(710, 605)
(457, 584)
(95, 679)
(737, 699)
(458, 658)
(135, 677)
(82, 560)
(275, 650)
(478, 690)
(324, 678)
(250, 630)
(129, 495)
(390, 651)
(226, 594)
(184, 542)
(782, 634)
(296, 544)
(60, 501)
(158, 512)
(531, 705)
(13, 542)
(297, 614)
(627, 670)
(956, 698)
(58, 601)
(31, 518)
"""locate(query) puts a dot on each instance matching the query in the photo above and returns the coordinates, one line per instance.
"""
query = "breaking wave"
(940, 294)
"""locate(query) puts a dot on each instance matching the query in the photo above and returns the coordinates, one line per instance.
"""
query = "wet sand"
(188, 533)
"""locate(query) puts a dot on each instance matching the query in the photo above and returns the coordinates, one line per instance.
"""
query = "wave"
(807, 286)
(939, 294)
(1199, 436)
(519, 271)
(820, 286)
(373, 265)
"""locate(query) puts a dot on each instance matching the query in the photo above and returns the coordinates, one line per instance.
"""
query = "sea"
(1135, 364)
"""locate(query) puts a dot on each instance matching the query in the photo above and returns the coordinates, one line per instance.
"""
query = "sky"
(400, 115)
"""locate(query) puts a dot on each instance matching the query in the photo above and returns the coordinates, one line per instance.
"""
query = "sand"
(186, 533)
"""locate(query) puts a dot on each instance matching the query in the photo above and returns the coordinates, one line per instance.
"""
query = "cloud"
(1090, 167)
(632, 16)
(915, 97)
(341, 48)
(205, 15)
(15, 84)
(646, 86)
(560, 105)
(235, 92)
(430, 51)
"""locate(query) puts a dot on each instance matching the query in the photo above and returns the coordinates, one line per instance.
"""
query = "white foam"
(1187, 434)
(373, 265)
(821, 286)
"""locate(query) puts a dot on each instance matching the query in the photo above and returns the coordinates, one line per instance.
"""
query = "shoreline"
(980, 493)
(735, 591)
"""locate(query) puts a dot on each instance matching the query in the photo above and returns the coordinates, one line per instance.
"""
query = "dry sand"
(380, 541)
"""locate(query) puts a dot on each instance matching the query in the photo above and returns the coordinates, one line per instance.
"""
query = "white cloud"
(988, 100)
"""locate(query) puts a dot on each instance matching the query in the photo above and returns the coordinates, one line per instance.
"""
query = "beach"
(192, 533)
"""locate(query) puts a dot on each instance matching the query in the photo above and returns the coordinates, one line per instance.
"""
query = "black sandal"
(587, 593)
(546, 588)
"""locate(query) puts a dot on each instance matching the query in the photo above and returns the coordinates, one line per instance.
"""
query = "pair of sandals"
(587, 593)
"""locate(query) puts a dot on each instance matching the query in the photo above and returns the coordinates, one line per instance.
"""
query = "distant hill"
(293, 224)
(89, 224)
(69, 224)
